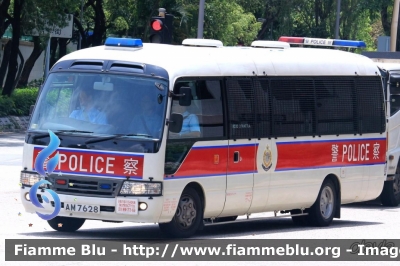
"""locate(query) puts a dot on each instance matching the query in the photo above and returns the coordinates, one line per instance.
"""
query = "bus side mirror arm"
(171, 94)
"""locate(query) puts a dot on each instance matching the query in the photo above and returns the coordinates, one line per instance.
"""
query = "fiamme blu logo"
(50, 166)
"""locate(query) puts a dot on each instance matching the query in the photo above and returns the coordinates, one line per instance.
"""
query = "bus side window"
(292, 107)
(211, 119)
(241, 105)
(369, 99)
(262, 108)
(335, 106)
(207, 106)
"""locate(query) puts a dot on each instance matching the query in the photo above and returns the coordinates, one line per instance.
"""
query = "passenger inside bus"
(87, 111)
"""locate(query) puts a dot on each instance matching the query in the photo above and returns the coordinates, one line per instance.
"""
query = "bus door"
(239, 182)
(242, 147)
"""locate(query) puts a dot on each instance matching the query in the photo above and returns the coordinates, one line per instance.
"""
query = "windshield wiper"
(118, 136)
(72, 131)
(137, 135)
(99, 139)
(59, 131)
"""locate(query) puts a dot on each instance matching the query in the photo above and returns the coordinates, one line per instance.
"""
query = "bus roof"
(182, 61)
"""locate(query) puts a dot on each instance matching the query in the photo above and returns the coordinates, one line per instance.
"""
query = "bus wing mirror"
(175, 123)
(185, 98)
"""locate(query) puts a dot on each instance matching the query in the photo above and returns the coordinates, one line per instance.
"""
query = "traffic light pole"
(201, 20)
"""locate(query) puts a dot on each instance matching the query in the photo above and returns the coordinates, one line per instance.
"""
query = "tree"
(4, 17)
(94, 32)
(13, 59)
(223, 20)
(227, 21)
(24, 16)
(4, 62)
(30, 62)
(275, 13)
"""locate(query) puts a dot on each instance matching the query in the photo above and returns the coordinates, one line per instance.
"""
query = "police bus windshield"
(102, 105)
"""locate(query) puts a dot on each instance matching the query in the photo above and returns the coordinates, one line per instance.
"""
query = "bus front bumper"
(123, 209)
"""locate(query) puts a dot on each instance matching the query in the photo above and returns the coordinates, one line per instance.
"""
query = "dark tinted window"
(293, 106)
(241, 103)
(370, 111)
(336, 106)
(304, 106)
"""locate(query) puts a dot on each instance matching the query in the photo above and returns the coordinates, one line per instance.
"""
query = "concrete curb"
(14, 123)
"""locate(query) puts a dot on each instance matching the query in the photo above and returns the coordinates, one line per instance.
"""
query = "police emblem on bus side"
(267, 159)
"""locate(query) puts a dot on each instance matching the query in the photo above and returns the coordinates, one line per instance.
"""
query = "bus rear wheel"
(322, 211)
(390, 195)
(66, 224)
(188, 216)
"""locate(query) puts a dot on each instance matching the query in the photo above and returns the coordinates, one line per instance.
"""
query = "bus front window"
(102, 105)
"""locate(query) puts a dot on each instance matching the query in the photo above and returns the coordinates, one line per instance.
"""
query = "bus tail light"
(141, 188)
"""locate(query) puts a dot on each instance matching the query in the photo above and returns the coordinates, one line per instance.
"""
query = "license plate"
(74, 207)
(127, 206)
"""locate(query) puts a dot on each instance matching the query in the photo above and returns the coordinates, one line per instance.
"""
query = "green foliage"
(226, 21)
(23, 99)
(35, 83)
(59, 99)
(19, 103)
(7, 106)
(42, 15)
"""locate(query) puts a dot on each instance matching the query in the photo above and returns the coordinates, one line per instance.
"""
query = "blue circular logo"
(51, 165)
(35, 201)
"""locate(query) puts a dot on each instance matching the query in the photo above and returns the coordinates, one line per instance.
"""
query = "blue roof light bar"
(351, 44)
(123, 42)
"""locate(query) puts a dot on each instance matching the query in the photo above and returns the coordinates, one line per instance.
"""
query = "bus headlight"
(29, 178)
(141, 188)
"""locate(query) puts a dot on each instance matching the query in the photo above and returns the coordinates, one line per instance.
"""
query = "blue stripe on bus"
(209, 175)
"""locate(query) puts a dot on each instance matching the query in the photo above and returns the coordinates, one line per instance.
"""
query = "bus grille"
(86, 186)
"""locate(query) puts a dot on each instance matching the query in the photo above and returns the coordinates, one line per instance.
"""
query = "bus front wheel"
(188, 216)
(322, 211)
(66, 224)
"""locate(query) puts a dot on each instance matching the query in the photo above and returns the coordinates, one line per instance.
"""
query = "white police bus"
(274, 129)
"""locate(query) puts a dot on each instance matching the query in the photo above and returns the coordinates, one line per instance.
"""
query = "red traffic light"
(156, 25)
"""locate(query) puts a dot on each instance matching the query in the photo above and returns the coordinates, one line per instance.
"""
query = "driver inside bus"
(88, 112)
